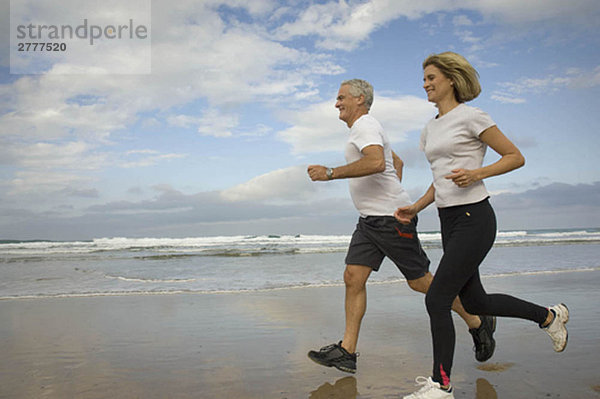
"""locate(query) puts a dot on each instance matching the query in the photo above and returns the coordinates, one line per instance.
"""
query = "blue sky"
(240, 99)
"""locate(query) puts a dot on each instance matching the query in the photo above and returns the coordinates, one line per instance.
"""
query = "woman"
(454, 143)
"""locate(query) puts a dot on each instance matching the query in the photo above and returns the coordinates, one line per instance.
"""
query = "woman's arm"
(398, 165)
(511, 158)
(406, 214)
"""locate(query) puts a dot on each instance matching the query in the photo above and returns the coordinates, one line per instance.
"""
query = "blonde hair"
(358, 87)
(455, 67)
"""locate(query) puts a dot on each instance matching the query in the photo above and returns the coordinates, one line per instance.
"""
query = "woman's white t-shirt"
(450, 142)
(379, 194)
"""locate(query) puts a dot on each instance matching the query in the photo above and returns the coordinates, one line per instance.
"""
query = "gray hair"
(358, 87)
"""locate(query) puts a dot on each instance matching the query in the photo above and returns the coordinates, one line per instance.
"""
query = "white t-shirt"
(379, 194)
(452, 142)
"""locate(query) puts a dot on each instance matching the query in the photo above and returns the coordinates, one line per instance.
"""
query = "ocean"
(230, 264)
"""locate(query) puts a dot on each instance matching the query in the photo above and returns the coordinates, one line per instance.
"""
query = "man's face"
(347, 104)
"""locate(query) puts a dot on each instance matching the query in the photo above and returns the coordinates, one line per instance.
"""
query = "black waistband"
(460, 208)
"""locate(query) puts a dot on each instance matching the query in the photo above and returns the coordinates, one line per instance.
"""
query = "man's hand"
(317, 173)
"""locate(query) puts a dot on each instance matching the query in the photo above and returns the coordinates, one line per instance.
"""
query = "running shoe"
(557, 329)
(483, 338)
(335, 356)
(430, 390)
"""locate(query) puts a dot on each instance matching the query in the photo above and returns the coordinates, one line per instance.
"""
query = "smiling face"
(350, 107)
(437, 86)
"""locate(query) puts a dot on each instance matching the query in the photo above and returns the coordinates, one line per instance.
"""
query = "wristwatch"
(329, 173)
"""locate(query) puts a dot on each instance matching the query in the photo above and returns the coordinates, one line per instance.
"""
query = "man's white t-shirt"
(450, 142)
(379, 194)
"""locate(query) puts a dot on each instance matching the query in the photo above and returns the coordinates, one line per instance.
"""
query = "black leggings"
(468, 233)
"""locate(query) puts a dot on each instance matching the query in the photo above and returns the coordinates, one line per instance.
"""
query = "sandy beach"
(254, 345)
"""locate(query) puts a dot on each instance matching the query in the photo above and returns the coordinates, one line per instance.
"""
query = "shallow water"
(118, 266)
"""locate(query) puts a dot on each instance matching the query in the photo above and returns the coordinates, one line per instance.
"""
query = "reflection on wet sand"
(344, 388)
(485, 390)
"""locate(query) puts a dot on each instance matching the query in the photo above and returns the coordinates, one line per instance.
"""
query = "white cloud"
(214, 123)
(45, 107)
(467, 36)
(184, 121)
(524, 85)
(402, 114)
(53, 168)
(260, 130)
(73, 122)
(256, 8)
(341, 25)
(517, 11)
(175, 214)
(581, 79)
(104, 56)
(317, 128)
(344, 25)
(507, 98)
(314, 129)
(290, 184)
(573, 78)
(144, 158)
(198, 56)
(41, 183)
(462, 20)
(44, 156)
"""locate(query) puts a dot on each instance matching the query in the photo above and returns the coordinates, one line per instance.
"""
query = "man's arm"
(373, 161)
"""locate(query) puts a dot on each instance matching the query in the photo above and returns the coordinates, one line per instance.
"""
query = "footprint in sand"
(497, 367)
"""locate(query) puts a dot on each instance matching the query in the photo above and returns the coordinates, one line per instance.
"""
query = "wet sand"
(254, 345)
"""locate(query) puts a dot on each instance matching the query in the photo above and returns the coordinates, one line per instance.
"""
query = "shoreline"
(254, 344)
(398, 280)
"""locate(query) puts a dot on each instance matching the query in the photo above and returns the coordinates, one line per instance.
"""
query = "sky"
(210, 132)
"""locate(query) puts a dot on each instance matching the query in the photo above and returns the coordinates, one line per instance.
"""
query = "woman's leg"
(475, 299)
(468, 233)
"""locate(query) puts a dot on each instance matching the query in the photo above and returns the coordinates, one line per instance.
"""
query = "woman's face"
(437, 86)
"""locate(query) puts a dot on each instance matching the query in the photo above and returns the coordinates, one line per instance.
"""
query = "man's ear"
(361, 99)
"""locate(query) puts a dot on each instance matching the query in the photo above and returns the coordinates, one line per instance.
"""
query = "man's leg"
(355, 279)
(422, 285)
(342, 356)
(361, 251)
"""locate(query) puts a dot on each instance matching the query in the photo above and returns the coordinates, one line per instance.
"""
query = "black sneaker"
(335, 356)
(483, 338)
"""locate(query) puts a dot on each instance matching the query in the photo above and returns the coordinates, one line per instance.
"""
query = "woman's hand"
(463, 177)
(405, 214)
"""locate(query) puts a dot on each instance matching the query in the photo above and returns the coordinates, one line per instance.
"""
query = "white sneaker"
(557, 329)
(430, 390)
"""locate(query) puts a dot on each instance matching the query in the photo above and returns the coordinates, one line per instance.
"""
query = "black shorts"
(376, 237)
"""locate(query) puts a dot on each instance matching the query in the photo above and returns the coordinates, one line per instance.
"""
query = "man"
(375, 172)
